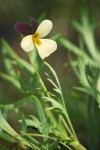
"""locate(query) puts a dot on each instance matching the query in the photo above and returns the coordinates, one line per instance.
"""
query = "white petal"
(44, 28)
(46, 48)
(27, 43)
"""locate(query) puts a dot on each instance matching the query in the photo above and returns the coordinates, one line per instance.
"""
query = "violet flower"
(34, 34)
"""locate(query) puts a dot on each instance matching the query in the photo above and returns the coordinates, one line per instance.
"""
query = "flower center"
(36, 39)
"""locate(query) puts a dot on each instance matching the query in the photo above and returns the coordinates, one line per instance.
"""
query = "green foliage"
(50, 132)
(86, 67)
(51, 127)
(87, 54)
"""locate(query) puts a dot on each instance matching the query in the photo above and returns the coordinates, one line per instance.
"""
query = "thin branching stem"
(47, 93)
(70, 124)
(52, 138)
(66, 126)
(43, 86)
(67, 116)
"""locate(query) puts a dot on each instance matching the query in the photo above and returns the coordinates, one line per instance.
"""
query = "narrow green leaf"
(10, 79)
(73, 48)
(62, 127)
(9, 66)
(33, 142)
(42, 17)
(36, 121)
(54, 103)
(55, 144)
(7, 137)
(40, 109)
(6, 127)
(86, 90)
(20, 103)
(32, 123)
(52, 83)
(77, 26)
(24, 125)
(54, 73)
(58, 91)
(42, 116)
(50, 80)
(10, 52)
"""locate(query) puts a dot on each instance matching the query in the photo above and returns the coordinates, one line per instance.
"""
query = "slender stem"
(43, 86)
(47, 93)
(67, 116)
(62, 98)
(74, 144)
(69, 148)
(41, 81)
(39, 135)
(64, 106)
(70, 124)
(66, 126)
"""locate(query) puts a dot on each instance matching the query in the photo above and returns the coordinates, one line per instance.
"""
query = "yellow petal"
(27, 43)
(46, 48)
(44, 28)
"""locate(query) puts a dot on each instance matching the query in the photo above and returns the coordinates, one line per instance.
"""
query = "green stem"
(66, 126)
(43, 86)
(75, 145)
(63, 102)
(70, 124)
(67, 116)
(35, 69)
(52, 138)
(72, 132)
(47, 93)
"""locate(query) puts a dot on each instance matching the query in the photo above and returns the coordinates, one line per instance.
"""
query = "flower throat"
(36, 39)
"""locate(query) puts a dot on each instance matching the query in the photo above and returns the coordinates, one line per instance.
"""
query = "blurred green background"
(60, 12)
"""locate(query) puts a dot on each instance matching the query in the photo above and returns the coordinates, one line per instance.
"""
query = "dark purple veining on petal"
(23, 28)
(34, 24)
